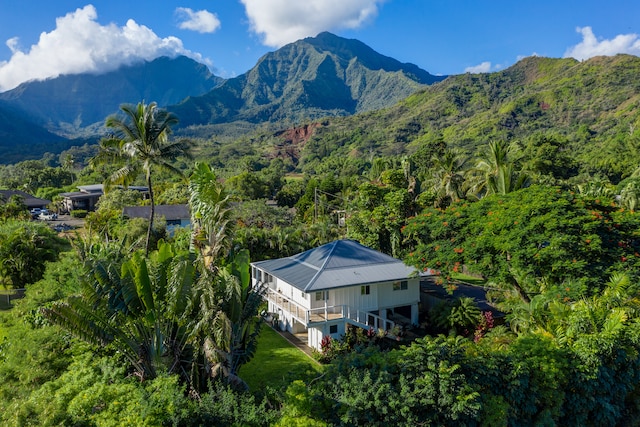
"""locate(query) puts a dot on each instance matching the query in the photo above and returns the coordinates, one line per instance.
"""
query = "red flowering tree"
(529, 239)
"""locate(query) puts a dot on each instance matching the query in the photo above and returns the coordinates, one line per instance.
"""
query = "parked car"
(48, 216)
(35, 213)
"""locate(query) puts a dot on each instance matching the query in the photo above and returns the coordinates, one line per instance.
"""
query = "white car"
(48, 216)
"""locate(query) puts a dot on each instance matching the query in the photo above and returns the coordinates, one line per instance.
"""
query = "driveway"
(74, 223)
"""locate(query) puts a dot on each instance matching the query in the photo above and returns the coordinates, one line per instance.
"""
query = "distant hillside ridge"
(589, 110)
(311, 78)
(77, 105)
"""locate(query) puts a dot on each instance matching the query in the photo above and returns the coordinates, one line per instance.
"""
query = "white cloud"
(12, 44)
(201, 21)
(484, 67)
(80, 44)
(592, 46)
(284, 21)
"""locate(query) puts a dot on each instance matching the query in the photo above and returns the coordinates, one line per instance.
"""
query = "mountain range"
(329, 96)
(72, 105)
(311, 78)
(316, 77)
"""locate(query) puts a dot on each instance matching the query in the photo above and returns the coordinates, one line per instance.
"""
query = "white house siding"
(352, 297)
(315, 338)
(332, 299)
(286, 319)
(317, 333)
(387, 297)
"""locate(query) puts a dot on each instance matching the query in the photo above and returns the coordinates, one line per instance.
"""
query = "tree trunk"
(521, 292)
(151, 214)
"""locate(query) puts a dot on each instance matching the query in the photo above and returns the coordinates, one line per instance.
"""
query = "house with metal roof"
(87, 197)
(176, 216)
(323, 290)
(29, 201)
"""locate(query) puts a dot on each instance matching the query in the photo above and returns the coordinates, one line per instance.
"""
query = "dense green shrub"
(25, 247)
(78, 213)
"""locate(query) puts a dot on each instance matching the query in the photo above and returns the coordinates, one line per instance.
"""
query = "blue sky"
(46, 38)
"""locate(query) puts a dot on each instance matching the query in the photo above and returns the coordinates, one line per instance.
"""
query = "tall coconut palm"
(140, 143)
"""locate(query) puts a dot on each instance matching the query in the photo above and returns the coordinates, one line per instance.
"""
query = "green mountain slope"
(76, 105)
(13, 122)
(591, 107)
(311, 78)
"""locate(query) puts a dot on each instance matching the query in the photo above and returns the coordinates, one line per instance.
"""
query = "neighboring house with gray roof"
(29, 201)
(175, 215)
(87, 197)
(323, 290)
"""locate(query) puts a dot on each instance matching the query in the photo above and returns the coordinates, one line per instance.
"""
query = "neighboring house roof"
(337, 264)
(95, 190)
(99, 188)
(169, 212)
(29, 200)
(91, 188)
(77, 195)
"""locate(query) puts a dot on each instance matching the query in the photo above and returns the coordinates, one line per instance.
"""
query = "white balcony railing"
(308, 317)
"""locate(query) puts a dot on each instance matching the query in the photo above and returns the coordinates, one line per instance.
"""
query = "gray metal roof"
(28, 200)
(335, 265)
(169, 212)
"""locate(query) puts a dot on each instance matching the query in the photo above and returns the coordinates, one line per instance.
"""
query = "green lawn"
(277, 363)
(468, 279)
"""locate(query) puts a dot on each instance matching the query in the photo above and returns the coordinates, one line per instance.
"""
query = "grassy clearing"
(277, 363)
(468, 279)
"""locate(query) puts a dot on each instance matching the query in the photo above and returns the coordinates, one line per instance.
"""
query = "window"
(322, 295)
(304, 296)
(333, 329)
(365, 290)
(400, 286)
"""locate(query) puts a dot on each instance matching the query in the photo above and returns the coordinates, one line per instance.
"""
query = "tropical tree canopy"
(529, 239)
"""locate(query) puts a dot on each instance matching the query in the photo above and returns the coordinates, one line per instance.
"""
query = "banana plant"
(140, 308)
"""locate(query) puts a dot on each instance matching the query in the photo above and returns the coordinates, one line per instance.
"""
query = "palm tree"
(378, 165)
(497, 172)
(210, 214)
(449, 177)
(630, 195)
(140, 144)
(597, 188)
(228, 325)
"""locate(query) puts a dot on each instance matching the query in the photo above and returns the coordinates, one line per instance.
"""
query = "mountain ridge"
(292, 84)
(67, 104)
